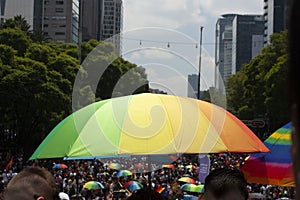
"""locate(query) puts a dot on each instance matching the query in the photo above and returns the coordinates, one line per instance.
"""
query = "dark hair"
(221, 181)
(294, 52)
(294, 82)
(32, 181)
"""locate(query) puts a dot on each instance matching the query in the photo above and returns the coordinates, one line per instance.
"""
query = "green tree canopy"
(37, 81)
(15, 38)
(259, 88)
(18, 22)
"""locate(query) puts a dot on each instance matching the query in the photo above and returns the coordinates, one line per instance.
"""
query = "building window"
(46, 25)
(61, 2)
(59, 33)
(58, 18)
(59, 10)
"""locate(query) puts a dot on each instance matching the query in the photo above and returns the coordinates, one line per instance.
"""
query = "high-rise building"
(91, 19)
(247, 39)
(275, 17)
(61, 20)
(102, 20)
(11, 8)
(223, 48)
(192, 90)
(238, 39)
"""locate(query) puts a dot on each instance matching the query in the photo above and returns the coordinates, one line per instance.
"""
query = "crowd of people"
(160, 174)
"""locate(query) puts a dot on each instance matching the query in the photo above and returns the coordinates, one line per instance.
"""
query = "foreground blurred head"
(225, 184)
(294, 82)
(32, 183)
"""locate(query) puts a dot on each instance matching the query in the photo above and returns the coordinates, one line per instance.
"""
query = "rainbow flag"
(35, 163)
(9, 164)
(160, 189)
(275, 167)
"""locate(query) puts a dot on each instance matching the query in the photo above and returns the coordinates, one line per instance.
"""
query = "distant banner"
(204, 167)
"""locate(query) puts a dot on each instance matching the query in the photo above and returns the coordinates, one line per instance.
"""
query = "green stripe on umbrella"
(148, 124)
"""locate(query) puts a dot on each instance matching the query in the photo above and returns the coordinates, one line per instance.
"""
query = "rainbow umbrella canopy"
(115, 166)
(60, 166)
(133, 186)
(189, 187)
(146, 124)
(275, 167)
(187, 180)
(124, 173)
(93, 185)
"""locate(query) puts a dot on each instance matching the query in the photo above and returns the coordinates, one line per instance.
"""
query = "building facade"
(239, 38)
(275, 17)
(223, 48)
(61, 20)
(192, 90)
(11, 8)
(247, 39)
(102, 20)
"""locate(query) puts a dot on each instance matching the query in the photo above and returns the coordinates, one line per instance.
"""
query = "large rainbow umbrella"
(275, 167)
(144, 124)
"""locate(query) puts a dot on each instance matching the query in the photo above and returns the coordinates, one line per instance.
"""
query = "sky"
(163, 36)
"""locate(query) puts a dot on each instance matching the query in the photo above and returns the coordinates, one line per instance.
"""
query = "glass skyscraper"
(238, 39)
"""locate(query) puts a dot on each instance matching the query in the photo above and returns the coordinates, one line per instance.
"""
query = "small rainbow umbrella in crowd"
(188, 187)
(190, 167)
(169, 166)
(275, 167)
(60, 166)
(198, 188)
(124, 173)
(115, 166)
(133, 186)
(148, 124)
(187, 180)
(93, 185)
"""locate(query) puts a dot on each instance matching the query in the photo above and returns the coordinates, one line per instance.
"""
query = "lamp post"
(200, 52)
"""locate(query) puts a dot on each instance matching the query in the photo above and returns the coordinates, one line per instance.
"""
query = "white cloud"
(176, 13)
(219, 7)
(146, 54)
(184, 16)
(162, 13)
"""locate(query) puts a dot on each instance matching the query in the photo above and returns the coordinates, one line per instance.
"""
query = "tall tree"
(29, 91)
(15, 38)
(259, 89)
(17, 22)
(37, 82)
